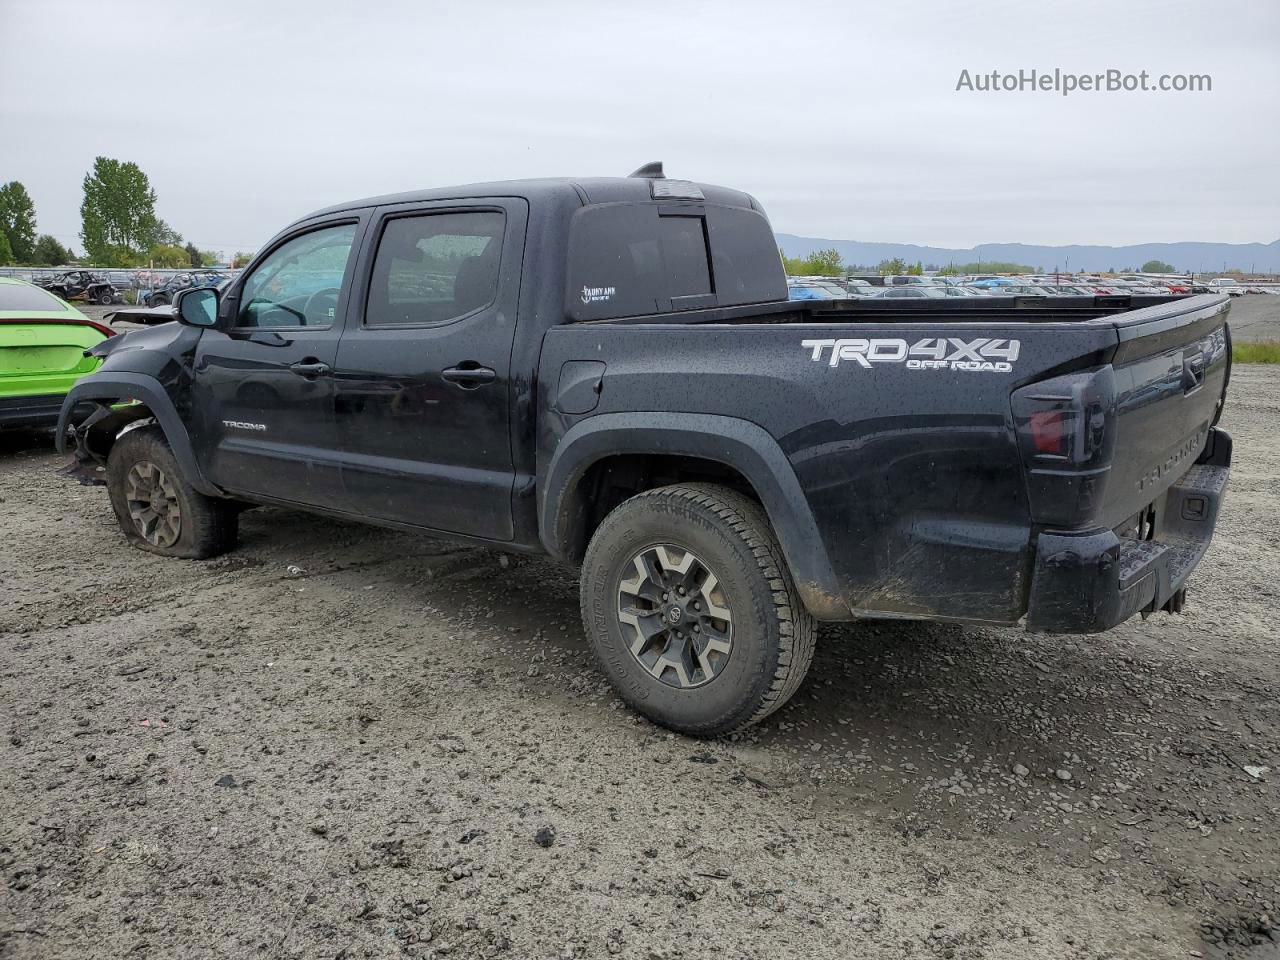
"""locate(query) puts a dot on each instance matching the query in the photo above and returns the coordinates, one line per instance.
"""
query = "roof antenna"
(650, 171)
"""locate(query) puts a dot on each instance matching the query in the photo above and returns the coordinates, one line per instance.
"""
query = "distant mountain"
(1190, 256)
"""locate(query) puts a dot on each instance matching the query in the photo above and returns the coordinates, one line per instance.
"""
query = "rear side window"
(632, 259)
(20, 296)
(434, 268)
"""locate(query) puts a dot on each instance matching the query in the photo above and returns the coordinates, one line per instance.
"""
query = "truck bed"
(951, 310)
(937, 443)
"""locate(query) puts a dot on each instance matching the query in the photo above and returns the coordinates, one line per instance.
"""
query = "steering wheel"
(321, 307)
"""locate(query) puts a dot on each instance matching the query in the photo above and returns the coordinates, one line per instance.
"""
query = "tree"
(194, 255)
(820, 263)
(1157, 266)
(241, 259)
(165, 235)
(168, 255)
(18, 220)
(826, 262)
(50, 253)
(6, 255)
(894, 267)
(986, 266)
(118, 213)
(917, 270)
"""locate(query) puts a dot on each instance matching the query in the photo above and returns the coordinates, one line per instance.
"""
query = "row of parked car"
(107, 287)
(922, 287)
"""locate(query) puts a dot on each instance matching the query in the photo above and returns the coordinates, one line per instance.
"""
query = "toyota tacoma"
(609, 371)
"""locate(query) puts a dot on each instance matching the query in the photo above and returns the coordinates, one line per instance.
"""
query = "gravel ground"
(345, 742)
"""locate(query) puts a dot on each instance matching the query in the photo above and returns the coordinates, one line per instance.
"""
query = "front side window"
(435, 268)
(299, 283)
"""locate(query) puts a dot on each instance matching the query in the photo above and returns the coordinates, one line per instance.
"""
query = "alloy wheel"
(153, 504)
(675, 615)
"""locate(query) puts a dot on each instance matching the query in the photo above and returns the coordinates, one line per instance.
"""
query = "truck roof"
(569, 191)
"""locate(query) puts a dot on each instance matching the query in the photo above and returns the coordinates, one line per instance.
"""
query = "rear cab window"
(636, 259)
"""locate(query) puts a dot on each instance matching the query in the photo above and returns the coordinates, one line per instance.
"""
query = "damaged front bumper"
(90, 438)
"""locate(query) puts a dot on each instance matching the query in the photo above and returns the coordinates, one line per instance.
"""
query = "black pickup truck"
(608, 371)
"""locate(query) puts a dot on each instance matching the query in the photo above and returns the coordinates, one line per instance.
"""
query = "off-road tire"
(773, 634)
(208, 526)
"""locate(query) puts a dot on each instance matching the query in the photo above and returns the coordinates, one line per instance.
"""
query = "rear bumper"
(1089, 581)
(30, 411)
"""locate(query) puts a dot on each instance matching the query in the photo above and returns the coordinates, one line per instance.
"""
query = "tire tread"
(797, 631)
(214, 523)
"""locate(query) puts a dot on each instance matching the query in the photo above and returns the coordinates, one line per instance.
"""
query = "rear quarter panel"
(913, 475)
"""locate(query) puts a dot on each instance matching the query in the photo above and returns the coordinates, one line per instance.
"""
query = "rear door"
(422, 378)
(264, 387)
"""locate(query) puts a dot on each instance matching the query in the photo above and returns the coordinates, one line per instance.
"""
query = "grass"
(1264, 351)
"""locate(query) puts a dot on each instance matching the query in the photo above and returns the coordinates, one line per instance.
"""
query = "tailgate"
(1170, 376)
(1103, 445)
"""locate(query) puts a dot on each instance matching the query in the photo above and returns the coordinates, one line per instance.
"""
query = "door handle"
(469, 375)
(310, 369)
(1192, 372)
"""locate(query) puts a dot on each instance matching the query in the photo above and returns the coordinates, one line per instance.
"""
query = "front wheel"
(691, 610)
(106, 297)
(157, 509)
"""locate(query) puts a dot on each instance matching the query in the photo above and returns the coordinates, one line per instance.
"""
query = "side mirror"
(197, 308)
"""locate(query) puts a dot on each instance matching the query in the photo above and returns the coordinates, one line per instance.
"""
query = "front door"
(265, 385)
(423, 373)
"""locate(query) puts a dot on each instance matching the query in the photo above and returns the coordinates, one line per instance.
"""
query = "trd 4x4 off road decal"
(932, 353)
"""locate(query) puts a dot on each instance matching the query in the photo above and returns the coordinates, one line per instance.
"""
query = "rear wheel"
(157, 509)
(691, 610)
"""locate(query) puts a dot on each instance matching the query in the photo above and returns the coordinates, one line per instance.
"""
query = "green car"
(42, 344)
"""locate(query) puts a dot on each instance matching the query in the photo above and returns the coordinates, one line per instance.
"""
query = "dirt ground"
(345, 742)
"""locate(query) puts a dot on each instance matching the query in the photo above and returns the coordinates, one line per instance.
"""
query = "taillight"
(1048, 432)
(101, 328)
(1064, 421)
(1065, 431)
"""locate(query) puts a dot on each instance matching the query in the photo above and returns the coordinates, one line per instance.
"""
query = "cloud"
(844, 121)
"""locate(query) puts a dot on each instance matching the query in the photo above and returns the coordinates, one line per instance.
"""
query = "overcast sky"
(842, 118)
